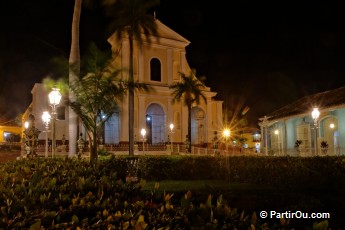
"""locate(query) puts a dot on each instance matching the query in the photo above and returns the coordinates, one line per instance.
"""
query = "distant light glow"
(226, 133)
(143, 132)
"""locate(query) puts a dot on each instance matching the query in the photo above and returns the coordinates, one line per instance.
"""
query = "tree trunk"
(74, 59)
(189, 127)
(93, 150)
(131, 98)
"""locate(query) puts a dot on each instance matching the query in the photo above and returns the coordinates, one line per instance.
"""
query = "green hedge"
(279, 171)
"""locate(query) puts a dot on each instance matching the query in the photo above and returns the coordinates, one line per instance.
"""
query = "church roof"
(326, 100)
(165, 32)
(165, 36)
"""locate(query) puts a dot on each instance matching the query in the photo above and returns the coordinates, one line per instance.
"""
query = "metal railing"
(179, 148)
(306, 152)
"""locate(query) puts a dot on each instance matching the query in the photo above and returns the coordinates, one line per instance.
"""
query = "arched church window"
(155, 66)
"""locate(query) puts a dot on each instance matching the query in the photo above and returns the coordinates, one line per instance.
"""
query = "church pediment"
(166, 36)
(165, 33)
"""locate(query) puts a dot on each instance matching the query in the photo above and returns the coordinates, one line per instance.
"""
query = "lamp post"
(46, 119)
(143, 133)
(54, 100)
(315, 115)
(276, 132)
(226, 134)
(332, 126)
(171, 136)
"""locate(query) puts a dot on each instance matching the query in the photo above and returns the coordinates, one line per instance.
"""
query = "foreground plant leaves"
(72, 194)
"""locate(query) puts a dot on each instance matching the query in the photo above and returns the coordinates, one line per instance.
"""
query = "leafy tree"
(190, 91)
(98, 92)
(74, 62)
(130, 18)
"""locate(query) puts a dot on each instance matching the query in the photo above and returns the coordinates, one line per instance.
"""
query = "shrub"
(103, 152)
(68, 193)
(324, 144)
(298, 143)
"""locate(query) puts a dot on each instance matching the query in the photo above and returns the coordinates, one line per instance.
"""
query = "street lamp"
(143, 133)
(46, 119)
(226, 134)
(332, 126)
(277, 145)
(171, 136)
(315, 115)
(54, 100)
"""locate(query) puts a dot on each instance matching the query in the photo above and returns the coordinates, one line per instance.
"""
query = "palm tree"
(190, 90)
(97, 93)
(130, 18)
(74, 60)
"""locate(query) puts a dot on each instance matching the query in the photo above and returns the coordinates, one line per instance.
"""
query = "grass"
(212, 185)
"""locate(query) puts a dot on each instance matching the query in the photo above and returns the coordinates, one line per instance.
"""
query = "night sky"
(260, 54)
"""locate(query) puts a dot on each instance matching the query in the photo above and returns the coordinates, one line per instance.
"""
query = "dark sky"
(261, 54)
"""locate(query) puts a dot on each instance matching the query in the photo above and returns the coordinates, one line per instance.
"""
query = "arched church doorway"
(198, 126)
(155, 124)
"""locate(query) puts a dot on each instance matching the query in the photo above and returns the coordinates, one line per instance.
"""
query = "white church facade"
(157, 64)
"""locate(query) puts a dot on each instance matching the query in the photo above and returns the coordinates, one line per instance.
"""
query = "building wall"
(334, 137)
(170, 50)
(291, 131)
(9, 129)
(340, 113)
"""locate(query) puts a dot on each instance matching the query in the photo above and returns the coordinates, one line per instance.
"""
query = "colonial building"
(10, 132)
(159, 65)
(296, 130)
